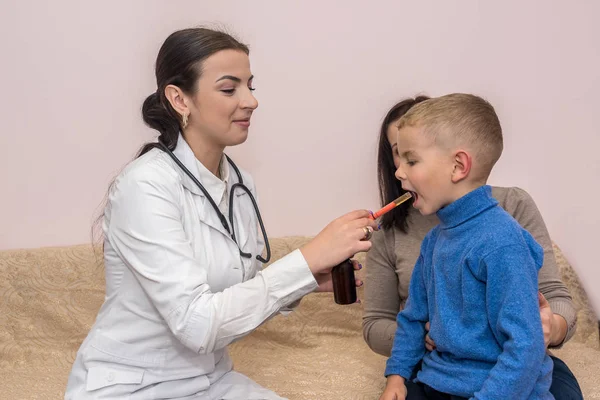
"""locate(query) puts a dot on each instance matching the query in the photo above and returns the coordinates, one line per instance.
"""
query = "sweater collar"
(467, 207)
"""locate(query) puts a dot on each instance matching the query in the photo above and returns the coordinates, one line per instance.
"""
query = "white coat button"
(110, 377)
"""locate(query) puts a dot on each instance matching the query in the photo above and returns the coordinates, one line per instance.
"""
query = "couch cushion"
(48, 302)
(49, 299)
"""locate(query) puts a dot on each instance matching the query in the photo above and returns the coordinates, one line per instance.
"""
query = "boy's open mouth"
(415, 196)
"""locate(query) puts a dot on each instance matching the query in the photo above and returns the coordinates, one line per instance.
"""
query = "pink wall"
(75, 74)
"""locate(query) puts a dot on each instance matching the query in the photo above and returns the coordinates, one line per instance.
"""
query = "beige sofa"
(49, 298)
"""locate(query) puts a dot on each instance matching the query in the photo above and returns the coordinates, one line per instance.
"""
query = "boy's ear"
(462, 166)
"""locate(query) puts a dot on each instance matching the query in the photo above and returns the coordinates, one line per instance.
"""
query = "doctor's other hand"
(338, 241)
(324, 279)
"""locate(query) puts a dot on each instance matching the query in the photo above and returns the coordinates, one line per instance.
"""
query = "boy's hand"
(395, 389)
(394, 393)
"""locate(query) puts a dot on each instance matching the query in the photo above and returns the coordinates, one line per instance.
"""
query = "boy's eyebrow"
(233, 78)
(407, 153)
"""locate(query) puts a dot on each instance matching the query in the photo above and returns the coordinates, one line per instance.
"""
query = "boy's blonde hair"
(463, 120)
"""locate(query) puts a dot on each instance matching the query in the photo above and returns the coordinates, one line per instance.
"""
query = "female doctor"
(181, 242)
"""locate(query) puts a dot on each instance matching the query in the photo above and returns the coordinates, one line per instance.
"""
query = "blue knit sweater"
(476, 282)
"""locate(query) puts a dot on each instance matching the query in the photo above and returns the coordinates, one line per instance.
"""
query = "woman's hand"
(340, 240)
(547, 318)
(324, 279)
(553, 325)
(429, 343)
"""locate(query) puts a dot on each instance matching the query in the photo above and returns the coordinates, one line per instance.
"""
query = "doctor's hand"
(338, 241)
(326, 284)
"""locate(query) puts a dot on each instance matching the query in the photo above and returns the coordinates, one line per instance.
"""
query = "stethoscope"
(226, 224)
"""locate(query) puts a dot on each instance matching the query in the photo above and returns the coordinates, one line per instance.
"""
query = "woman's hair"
(179, 63)
(389, 187)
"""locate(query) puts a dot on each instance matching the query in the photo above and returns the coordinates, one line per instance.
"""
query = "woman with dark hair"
(183, 281)
(396, 248)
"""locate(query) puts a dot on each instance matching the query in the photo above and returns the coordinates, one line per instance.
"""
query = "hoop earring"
(184, 120)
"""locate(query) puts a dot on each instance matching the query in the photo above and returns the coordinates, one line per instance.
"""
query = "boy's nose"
(400, 175)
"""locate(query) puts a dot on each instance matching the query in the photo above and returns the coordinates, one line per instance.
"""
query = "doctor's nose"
(249, 101)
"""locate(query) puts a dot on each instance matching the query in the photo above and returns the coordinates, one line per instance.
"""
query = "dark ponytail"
(157, 117)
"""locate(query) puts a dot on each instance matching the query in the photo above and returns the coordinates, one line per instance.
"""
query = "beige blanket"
(49, 299)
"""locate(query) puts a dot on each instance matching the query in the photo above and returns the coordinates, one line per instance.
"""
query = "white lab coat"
(177, 290)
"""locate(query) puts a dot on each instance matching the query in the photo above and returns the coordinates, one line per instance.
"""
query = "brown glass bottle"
(344, 284)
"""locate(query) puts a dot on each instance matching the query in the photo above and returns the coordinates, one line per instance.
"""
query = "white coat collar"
(211, 183)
